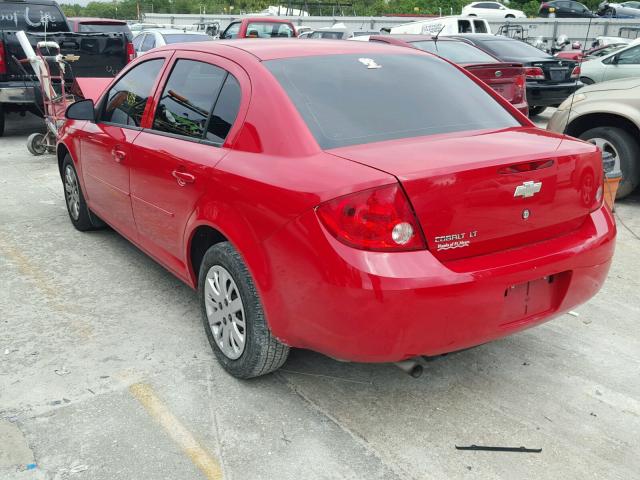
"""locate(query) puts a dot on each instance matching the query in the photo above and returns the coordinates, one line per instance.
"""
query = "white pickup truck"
(453, 25)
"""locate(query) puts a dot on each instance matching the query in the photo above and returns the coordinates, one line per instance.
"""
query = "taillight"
(131, 52)
(520, 87)
(534, 73)
(378, 219)
(575, 73)
(3, 59)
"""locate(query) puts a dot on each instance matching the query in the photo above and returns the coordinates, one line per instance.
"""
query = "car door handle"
(183, 177)
(118, 155)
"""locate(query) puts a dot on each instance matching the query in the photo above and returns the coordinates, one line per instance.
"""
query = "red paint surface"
(261, 188)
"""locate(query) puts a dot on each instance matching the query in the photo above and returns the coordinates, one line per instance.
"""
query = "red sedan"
(366, 201)
(507, 79)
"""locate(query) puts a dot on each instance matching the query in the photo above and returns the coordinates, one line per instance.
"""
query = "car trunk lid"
(556, 71)
(479, 192)
(505, 78)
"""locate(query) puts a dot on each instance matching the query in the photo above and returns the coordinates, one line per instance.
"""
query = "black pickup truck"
(98, 54)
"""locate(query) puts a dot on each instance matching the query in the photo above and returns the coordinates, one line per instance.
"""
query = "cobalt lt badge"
(525, 213)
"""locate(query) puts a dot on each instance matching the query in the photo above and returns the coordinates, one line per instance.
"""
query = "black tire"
(86, 220)
(37, 144)
(533, 110)
(510, 16)
(1, 120)
(262, 353)
(629, 152)
(587, 81)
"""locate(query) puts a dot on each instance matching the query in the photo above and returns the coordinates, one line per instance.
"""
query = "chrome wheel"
(225, 312)
(607, 147)
(72, 192)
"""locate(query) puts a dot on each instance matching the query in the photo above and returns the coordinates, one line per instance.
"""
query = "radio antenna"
(573, 95)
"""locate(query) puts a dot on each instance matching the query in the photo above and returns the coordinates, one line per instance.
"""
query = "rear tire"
(81, 217)
(243, 344)
(510, 16)
(626, 148)
(533, 111)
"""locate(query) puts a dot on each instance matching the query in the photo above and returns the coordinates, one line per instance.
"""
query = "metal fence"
(546, 28)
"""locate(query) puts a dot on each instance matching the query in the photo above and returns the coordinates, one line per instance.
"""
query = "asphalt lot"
(105, 373)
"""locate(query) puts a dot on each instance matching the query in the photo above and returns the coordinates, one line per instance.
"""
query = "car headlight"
(567, 103)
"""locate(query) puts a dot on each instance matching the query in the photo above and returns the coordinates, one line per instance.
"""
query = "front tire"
(37, 144)
(587, 81)
(625, 150)
(81, 217)
(233, 317)
(533, 111)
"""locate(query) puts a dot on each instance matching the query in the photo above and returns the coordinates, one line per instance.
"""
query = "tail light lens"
(131, 52)
(380, 219)
(520, 88)
(534, 73)
(3, 59)
(575, 73)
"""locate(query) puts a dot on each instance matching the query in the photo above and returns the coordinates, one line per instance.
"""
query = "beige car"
(608, 115)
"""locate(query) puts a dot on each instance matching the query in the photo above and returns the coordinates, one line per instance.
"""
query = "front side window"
(481, 27)
(148, 43)
(629, 57)
(187, 98)
(126, 100)
(269, 30)
(225, 111)
(350, 100)
(232, 30)
(464, 26)
(137, 42)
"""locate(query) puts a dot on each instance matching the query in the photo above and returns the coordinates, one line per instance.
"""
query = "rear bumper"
(18, 92)
(382, 307)
(541, 95)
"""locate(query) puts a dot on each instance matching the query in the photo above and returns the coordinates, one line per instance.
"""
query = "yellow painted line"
(178, 433)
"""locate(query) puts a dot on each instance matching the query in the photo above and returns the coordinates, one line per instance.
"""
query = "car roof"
(169, 31)
(263, 19)
(273, 48)
(407, 37)
(485, 36)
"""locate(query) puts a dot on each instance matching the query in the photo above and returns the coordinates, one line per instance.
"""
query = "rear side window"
(225, 112)
(187, 98)
(350, 99)
(464, 26)
(456, 52)
(127, 99)
(480, 26)
(31, 17)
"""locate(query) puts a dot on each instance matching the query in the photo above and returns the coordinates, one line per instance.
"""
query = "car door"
(623, 65)
(197, 104)
(105, 145)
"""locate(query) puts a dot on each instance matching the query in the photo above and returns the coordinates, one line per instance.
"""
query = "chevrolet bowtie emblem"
(527, 189)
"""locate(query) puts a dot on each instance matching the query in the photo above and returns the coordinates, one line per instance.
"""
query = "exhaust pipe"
(410, 366)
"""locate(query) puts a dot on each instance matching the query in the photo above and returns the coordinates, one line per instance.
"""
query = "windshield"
(184, 38)
(356, 99)
(456, 52)
(513, 48)
(32, 17)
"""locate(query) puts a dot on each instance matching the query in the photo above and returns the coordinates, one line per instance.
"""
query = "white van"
(449, 26)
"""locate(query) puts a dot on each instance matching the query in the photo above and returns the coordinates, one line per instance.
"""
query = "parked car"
(549, 80)
(341, 34)
(103, 25)
(564, 9)
(608, 115)
(444, 26)
(99, 54)
(622, 63)
(150, 39)
(339, 202)
(619, 10)
(137, 28)
(585, 55)
(259, 27)
(491, 10)
(505, 78)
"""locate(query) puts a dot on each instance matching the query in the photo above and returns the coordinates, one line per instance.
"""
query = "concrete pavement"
(105, 373)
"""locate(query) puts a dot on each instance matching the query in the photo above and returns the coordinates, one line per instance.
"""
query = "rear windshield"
(357, 99)
(456, 52)
(184, 38)
(32, 17)
(513, 48)
(269, 30)
(103, 28)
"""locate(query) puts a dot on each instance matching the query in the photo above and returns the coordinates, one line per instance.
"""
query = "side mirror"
(82, 110)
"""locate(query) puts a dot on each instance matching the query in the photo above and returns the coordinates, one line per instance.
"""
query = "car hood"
(620, 84)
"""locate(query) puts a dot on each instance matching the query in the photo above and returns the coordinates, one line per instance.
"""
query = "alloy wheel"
(607, 147)
(225, 312)
(72, 192)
